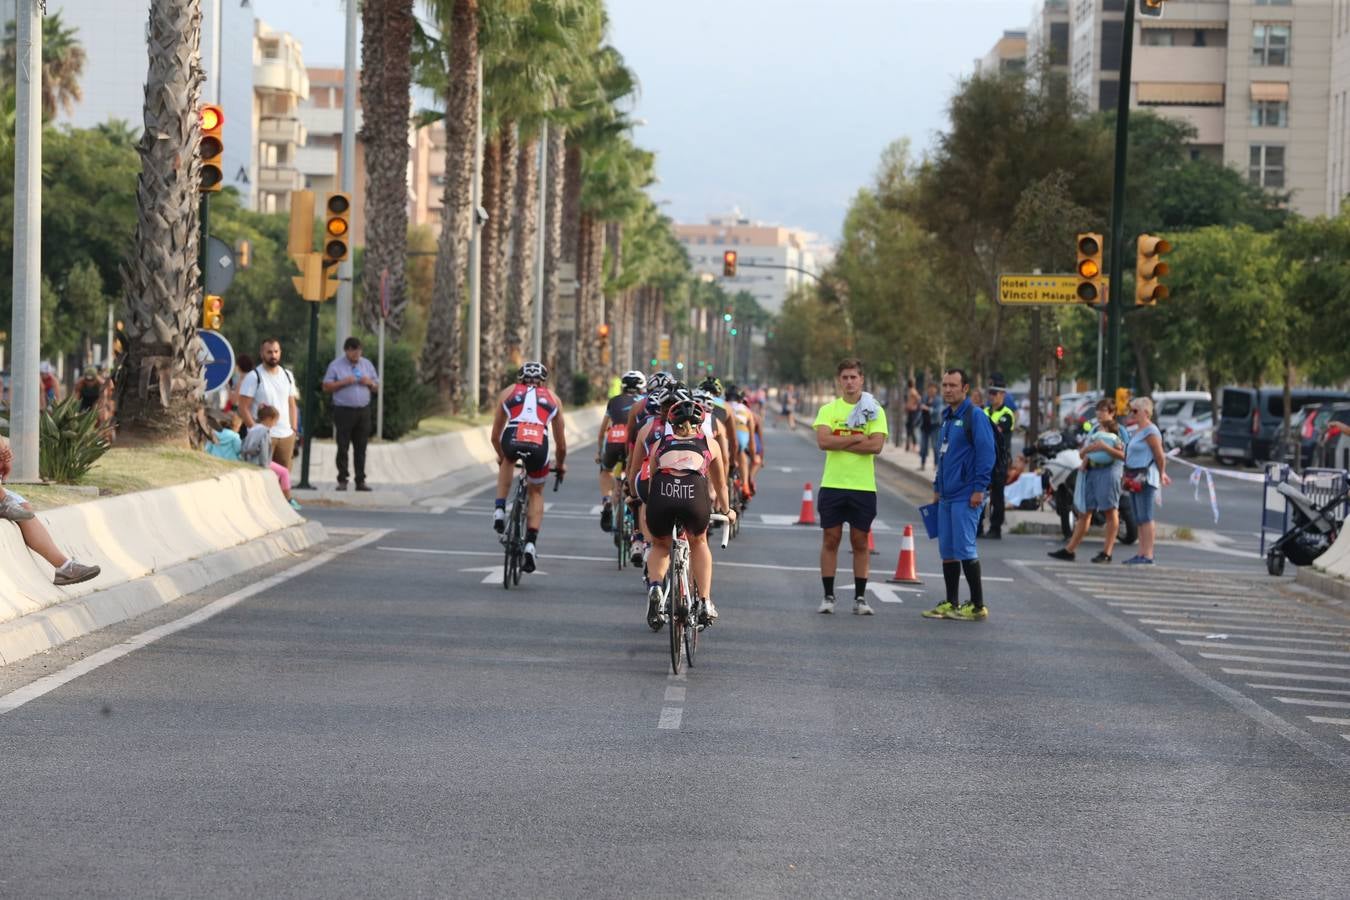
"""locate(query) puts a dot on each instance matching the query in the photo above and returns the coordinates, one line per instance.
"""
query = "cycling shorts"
(642, 489)
(612, 455)
(529, 443)
(743, 440)
(685, 499)
(759, 445)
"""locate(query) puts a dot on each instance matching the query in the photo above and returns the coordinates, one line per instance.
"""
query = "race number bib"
(529, 434)
(618, 434)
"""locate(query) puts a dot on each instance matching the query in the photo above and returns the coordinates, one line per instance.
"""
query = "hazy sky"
(779, 107)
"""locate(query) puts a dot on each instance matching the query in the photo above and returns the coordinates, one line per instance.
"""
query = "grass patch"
(1182, 533)
(445, 424)
(125, 470)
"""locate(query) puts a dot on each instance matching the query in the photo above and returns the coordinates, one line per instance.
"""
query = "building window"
(1270, 44)
(1113, 39)
(1108, 94)
(1158, 37)
(1270, 113)
(1267, 165)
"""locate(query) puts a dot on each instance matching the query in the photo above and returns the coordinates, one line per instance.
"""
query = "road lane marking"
(1261, 648)
(675, 694)
(670, 718)
(1300, 701)
(49, 683)
(1187, 669)
(1299, 676)
(1282, 662)
(1250, 637)
(886, 593)
(1188, 623)
(1329, 720)
(1298, 687)
(1155, 608)
(775, 519)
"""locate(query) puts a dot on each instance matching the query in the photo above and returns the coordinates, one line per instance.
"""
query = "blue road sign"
(218, 361)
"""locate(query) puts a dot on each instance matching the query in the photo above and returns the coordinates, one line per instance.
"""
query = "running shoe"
(655, 607)
(709, 612)
(295, 504)
(635, 554)
(826, 605)
(943, 610)
(1102, 557)
(969, 612)
(74, 573)
(860, 607)
(1062, 553)
(531, 557)
(1138, 561)
(607, 517)
(499, 520)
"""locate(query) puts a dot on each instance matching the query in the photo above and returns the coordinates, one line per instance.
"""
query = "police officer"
(1004, 420)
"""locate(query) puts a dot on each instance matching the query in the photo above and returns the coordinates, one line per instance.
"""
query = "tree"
(386, 76)
(159, 386)
(63, 60)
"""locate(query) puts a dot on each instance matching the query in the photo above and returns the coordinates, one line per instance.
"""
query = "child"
(257, 449)
(228, 444)
(35, 535)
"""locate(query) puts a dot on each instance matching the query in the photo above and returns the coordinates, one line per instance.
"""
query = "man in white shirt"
(272, 384)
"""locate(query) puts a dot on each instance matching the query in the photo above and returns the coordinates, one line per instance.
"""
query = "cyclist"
(613, 440)
(717, 431)
(647, 407)
(686, 485)
(742, 420)
(520, 430)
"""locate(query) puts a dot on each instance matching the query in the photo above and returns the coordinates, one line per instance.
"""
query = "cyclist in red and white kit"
(520, 431)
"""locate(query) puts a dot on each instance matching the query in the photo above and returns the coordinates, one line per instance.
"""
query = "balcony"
(282, 131)
(326, 120)
(280, 74)
(279, 179)
(1208, 64)
(317, 161)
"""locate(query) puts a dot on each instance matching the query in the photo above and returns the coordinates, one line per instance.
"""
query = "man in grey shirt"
(350, 379)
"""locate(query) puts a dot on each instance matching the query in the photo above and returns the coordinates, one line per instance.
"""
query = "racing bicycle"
(513, 539)
(684, 601)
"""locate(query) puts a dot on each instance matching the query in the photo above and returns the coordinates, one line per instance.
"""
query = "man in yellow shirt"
(851, 430)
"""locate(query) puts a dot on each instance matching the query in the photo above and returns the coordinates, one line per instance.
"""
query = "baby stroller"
(1312, 528)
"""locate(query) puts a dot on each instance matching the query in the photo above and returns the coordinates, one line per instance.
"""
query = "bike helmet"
(634, 382)
(660, 380)
(656, 397)
(712, 385)
(533, 371)
(686, 411)
(703, 396)
(678, 393)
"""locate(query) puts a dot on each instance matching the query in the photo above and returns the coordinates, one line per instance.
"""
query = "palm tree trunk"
(590, 291)
(386, 74)
(558, 362)
(490, 333)
(441, 359)
(520, 312)
(159, 387)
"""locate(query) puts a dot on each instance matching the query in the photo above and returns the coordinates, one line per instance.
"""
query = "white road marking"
(1260, 673)
(1186, 623)
(494, 575)
(675, 694)
(1281, 662)
(1261, 648)
(1299, 701)
(1298, 687)
(775, 519)
(1131, 606)
(886, 593)
(49, 683)
(1329, 720)
(1248, 637)
(670, 717)
(982, 577)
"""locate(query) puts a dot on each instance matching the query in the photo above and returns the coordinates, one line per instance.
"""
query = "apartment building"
(280, 85)
(426, 176)
(1009, 54)
(1096, 37)
(773, 246)
(320, 160)
(1048, 36)
(1338, 130)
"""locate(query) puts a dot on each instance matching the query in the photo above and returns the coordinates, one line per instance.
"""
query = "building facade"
(1009, 54)
(280, 86)
(779, 251)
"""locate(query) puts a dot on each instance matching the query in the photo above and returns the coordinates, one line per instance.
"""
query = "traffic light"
(210, 150)
(726, 315)
(1151, 8)
(337, 226)
(1089, 268)
(213, 312)
(729, 264)
(1059, 352)
(1148, 268)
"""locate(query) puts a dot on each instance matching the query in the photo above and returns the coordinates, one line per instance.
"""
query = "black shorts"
(837, 506)
(672, 499)
(535, 456)
(612, 455)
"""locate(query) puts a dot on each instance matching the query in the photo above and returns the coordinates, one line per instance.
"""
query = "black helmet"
(686, 411)
(660, 380)
(713, 385)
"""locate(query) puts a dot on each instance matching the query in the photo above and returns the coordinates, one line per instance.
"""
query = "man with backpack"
(1004, 420)
(272, 384)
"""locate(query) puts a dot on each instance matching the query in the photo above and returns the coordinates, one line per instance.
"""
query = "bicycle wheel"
(621, 533)
(679, 611)
(691, 622)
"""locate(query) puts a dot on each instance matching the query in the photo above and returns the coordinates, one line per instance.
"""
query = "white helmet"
(533, 371)
(634, 381)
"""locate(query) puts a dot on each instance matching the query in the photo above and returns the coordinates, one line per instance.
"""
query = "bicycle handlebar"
(726, 532)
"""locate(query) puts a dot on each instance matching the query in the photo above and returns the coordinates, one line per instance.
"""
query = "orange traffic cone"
(808, 516)
(905, 566)
(871, 543)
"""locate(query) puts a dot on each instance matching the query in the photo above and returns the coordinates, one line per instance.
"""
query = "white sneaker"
(531, 557)
(826, 606)
(635, 554)
(709, 611)
(860, 607)
(499, 520)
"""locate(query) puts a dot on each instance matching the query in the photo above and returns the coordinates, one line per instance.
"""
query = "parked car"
(1250, 420)
(1176, 408)
(1194, 437)
(1331, 426)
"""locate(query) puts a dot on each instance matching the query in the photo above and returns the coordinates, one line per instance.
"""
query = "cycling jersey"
(616, 436)
(679, 489)
(529, 410)
(740, 417)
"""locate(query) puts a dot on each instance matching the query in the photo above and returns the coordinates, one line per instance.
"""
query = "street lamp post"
(25, 329)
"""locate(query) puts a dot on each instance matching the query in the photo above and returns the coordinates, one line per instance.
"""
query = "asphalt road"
(384, 723)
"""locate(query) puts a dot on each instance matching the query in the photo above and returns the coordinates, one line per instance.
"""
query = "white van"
(1172, 410)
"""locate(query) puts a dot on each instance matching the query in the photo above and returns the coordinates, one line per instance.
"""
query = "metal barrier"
(1320, 485)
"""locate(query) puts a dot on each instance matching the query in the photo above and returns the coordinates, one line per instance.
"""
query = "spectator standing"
(51, 388)
(930, 420)
(257, 449)
(35, 535)
(912, 403)
(1004, 421)
(851, 430)
(350, 379)
(90, 389)
(1103, 464)
(243, 364)
(965, 462)
(1145, 475)
(273, 385)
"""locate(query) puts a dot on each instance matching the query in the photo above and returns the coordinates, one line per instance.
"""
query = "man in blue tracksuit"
(966, 453)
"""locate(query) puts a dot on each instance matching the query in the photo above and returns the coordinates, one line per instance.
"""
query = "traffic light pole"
(203, 214)
(311, 406)
(1115, 295)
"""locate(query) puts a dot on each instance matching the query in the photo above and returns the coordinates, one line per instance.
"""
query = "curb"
(55, 625)
(1332, 586)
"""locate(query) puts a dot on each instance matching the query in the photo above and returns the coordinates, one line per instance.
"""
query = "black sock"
(972, 569)
(531, 535)
(859, 588)
(951, 574)
(828, 584)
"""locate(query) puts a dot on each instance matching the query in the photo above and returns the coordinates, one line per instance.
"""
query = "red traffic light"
(1059, 351)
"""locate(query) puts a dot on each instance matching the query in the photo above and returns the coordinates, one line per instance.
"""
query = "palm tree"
(386, 76)
(63, 59)
(159, 385)
(441, 363)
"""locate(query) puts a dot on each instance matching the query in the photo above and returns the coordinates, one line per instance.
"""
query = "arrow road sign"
(495, 574)
(217, 359)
